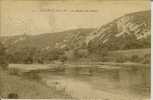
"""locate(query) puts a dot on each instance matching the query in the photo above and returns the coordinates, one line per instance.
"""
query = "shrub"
(147, 59)
(3, 57)
(32, 76)
(12, 96)
(81, 53)
(135, 58)
(144, 60)
(4, 65)
(121, 59)
(13, 71)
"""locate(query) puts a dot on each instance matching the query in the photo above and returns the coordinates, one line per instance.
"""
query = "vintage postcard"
(75, 49)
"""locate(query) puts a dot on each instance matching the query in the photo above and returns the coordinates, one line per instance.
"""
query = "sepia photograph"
(75, 49)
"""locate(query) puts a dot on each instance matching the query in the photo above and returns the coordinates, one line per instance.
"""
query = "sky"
(35, 17)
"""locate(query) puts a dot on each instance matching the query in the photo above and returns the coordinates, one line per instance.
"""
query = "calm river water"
(105, 84)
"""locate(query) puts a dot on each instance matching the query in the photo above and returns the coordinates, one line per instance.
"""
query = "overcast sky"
(36, 17)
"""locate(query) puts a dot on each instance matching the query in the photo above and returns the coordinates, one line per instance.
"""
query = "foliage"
(29, 55)
(53, 54)
(121, 59)
(134, 58)
(13, 71)
(3, 57)
(81, 53)
(96, 48)
(32, 76)
(147, 59)
(12, 96)
(25, 55)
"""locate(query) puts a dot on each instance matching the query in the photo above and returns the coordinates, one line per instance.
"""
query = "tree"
(81, 53)
(51, 55)
(3, 57)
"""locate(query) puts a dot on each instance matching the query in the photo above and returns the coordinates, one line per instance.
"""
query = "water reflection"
(114, 83)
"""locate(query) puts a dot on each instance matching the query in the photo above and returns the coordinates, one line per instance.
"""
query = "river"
(112, 84)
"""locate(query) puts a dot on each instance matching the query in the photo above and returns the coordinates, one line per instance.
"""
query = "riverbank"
(26, 89)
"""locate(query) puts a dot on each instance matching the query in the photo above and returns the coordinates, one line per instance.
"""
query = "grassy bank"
(25, 88)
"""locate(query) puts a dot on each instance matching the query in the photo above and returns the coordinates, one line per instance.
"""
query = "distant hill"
(131, 31)
(42, 41)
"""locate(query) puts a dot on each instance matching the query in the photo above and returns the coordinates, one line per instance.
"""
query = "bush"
(32, 76)
(147, 59)
(4, 65)
(136, 58)
(13, 71)
(12, 96)
(144, 60)
(3, 57)
(81, 53)
(121, 59)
